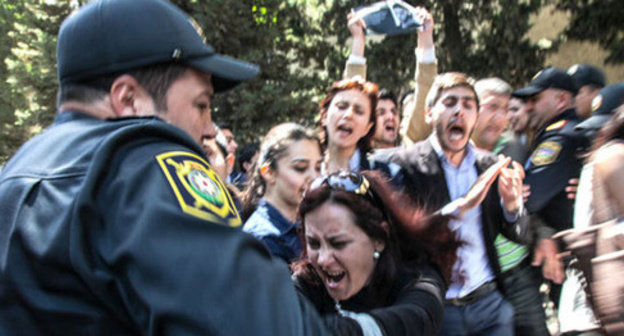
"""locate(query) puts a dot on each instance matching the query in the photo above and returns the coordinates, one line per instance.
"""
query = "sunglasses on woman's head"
(350, 182)
(344, 181)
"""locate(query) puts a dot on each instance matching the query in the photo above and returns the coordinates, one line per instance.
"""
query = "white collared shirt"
(472, 268)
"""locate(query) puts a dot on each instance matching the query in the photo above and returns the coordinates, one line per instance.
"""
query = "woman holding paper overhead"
(413, 126)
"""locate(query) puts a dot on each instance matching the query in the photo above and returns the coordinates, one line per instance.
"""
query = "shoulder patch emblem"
(546, 153)
(555, 126)
(197, 188)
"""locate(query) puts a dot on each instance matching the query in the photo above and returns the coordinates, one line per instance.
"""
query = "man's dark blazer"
(423, 179)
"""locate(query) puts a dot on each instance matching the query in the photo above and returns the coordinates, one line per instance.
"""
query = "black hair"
(225, 126)
(155, 79)
(385, 94)
(246, 154)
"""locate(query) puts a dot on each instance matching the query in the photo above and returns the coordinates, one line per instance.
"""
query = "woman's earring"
(376, 255)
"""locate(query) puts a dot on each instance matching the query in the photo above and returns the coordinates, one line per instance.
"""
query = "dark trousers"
(490, 315)
(522, 291)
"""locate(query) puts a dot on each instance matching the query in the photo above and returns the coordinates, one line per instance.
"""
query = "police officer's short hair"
(155, 79)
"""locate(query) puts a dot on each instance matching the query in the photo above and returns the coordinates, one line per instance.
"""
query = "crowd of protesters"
(440, 213)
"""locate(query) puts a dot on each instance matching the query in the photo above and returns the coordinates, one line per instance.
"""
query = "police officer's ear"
(564, 99)
(128, 98)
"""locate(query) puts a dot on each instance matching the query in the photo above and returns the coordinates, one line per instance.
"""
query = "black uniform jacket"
(121, 228)
(555, 159)
(423, 179)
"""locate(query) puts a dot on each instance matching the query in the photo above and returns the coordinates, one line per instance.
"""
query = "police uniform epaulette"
(558, 134)
(556, 125)
(565, 127)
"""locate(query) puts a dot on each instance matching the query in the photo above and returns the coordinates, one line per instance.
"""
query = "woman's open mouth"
(332, 279)
(346, 130)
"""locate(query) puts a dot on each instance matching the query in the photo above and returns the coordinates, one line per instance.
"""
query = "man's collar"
(435, 143)
(68, 115)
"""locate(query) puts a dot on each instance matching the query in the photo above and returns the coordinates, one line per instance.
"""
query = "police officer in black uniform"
(112, 222)
(555, 159)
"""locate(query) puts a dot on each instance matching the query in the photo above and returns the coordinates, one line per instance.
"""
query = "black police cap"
(112, 36)
(549, 78)
(585, 74)
(603, 105)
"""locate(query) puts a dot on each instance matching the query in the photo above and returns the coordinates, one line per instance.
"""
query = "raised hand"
(356, 26)
(510, 186)
(425, 33)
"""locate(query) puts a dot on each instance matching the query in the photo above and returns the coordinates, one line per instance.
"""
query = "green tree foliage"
(276, 35)
(597, 21)
(488, 38)
(29, 84)
(8, 138)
